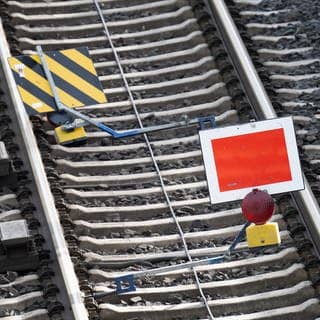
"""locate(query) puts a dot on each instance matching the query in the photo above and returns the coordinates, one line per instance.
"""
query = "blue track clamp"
(125, 284)
(204, 120)
(116, 134)
(216, 260)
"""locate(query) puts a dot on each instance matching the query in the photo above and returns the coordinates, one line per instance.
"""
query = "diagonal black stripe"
(34, 90)
(75, 67)
(60, 83)
(30, 111)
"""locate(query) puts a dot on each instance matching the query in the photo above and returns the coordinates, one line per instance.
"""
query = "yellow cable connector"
(78, 135)
(263, 235)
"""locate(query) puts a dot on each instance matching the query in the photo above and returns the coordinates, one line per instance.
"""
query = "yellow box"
(70, 137)
(263, 235)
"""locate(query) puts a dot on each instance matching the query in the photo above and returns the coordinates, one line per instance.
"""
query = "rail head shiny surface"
(78, 311)
(257, 96)
(241, 61)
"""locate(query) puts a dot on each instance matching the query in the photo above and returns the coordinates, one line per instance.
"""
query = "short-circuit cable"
(132, 101)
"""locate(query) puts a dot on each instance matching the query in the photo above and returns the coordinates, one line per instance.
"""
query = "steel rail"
(304, 200)
(65, 265)
(132, 100)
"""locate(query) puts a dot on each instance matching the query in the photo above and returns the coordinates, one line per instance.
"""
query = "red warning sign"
(260, 154)
(251, 159)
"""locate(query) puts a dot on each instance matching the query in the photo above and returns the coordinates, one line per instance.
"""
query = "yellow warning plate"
(74, 75)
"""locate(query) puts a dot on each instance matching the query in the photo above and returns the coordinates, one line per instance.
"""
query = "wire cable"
(132, 101)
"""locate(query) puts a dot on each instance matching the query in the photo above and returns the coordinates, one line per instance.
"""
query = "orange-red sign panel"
(251, 159)
(260, 154)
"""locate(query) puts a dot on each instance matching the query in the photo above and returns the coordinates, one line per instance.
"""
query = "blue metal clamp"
(204, 120)
(125, 284)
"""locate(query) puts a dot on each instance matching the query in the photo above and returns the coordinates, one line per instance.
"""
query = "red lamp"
(257, 206)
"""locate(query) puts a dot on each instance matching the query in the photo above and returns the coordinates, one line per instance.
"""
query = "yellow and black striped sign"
(73, 73)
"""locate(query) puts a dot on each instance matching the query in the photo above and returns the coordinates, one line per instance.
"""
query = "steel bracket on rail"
(210, 119)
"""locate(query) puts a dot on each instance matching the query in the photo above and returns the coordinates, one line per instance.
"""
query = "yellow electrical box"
(263, 235)
(77, 135)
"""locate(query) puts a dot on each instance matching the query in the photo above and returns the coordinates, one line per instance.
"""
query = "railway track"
(142, 202)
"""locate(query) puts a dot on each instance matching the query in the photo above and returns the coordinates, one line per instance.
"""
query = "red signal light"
(257, 206)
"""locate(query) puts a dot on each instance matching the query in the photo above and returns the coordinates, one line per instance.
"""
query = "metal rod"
(49, 77)
(101, 126)
(213, 260)
(191, 264)
(179, 266)
(238, 238)
(129, 133)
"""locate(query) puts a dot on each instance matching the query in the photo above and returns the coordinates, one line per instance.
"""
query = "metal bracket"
(210, 119)
(125, 284)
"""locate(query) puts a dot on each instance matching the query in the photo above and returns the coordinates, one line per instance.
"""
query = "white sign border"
(216, 196)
